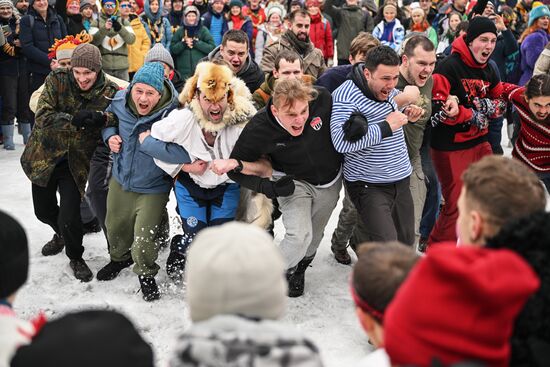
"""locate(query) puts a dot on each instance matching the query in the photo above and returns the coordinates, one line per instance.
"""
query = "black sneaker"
(341, 255)
(149, 288)
(422, 244)
(175, 266)
(296, 278)
(112, 269)
(81, 271)
(53, 246)
(91, 227)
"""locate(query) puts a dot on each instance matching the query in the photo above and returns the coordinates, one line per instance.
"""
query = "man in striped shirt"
(366, 125)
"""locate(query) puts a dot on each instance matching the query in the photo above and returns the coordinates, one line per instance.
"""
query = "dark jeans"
(433, 192)
(98, 184)
(343, 62)
(387, 210)
(15, 99)
(495, 135)
(65, 217)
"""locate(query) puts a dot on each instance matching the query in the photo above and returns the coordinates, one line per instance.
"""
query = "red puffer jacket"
(320, 34)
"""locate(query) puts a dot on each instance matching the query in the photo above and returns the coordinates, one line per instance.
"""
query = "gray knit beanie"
(160, 54)
(87, 56)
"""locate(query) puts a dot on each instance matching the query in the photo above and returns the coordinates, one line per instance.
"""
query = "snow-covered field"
(325, 312)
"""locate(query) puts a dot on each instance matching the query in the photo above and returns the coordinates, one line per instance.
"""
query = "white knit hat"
(235, 269)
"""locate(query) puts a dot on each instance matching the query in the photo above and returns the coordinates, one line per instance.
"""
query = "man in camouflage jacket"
(68, 127)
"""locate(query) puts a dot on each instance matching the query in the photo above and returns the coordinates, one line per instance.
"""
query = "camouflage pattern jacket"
(54, 139)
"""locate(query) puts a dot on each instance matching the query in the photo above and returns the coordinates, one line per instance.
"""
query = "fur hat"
(215, 81)
(458, 304)
(538, 12)
(14, 262)
(63, 48)
(235, 269)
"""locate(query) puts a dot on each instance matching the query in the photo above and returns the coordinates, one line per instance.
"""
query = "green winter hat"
(151, 73)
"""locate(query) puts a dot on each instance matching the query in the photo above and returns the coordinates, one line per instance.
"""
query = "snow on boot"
(7, 131)
(53, 246)
(149, 288)
(25, 131)
(296, 277)
(112, 269)
(175, 266)
(81, 270)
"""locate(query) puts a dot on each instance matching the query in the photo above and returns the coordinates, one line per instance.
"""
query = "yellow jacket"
(138, 50)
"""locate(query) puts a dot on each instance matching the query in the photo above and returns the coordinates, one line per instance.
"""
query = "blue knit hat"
(151, 73)
(536, 13)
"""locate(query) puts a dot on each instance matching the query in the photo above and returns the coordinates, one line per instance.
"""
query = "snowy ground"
(325, 312)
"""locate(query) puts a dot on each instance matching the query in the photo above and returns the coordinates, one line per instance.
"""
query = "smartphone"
(6, 29)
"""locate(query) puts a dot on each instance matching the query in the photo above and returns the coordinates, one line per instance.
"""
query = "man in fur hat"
(216, 107)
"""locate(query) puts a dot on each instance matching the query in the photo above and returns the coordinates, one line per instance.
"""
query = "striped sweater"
(380, 157)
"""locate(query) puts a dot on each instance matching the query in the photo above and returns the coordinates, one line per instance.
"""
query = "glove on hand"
(479, 120)
(86, 118)
(282, 187)
(355, 127)
(116, 25)
(438, 118)
(492, 108)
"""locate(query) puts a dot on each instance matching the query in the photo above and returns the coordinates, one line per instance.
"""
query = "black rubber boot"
(81, 270)
(112, 269)
(149, 288)
(91, 227)
(175, 264)
(296, 277)
(53, 246)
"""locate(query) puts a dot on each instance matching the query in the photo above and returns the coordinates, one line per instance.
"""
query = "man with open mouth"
(366, 125)
(292, 131)
(458, 141)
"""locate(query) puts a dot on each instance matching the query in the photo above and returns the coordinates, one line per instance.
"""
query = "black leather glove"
(282, 187)
(116, 25)
(86, 118)
(355, 127)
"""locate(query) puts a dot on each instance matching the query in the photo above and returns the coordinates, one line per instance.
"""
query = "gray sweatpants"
(305, 215)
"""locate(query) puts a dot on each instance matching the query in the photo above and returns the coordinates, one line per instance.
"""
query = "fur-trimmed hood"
(215, 83)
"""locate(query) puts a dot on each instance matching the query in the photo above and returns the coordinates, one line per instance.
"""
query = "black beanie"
(86, 339)
(14, 258)
(477, 26)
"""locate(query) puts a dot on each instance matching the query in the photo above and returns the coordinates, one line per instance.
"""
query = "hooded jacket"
(54, 139)
(133, 166)
(163, 32)
(250, 73)
(12, 61)
(138, 49)
(36, 40)
(227, 340)
(460, 75)
(113, 45)
(531, 48)
(320, 34)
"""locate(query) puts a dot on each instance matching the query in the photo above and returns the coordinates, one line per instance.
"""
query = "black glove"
(355, 127)
(479, 120)
(116, 25)
(282, 187)
(87, 118)
(438, 118)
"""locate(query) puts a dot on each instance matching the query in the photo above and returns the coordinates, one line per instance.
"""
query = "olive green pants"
(132, 222)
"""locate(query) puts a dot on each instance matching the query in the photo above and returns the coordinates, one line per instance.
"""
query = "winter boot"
(81, 271)
(7, 131)
(341, 255)
(175, 264)
(25, 131)
(149, 288)
(296, 277)
(91, 227)
(112, 269)
(53, 246)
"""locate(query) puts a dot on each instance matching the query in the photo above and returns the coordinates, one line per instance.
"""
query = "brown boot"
(341, 255)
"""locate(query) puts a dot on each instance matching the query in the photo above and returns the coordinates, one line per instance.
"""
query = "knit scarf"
(237, 20)
(157, 30)
(191, 31)
(387, 35)
(422, 27)
(302, 47)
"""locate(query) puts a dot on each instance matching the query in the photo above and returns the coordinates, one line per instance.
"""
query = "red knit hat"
(458, 304)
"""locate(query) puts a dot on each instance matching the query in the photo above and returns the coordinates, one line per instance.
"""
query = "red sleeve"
(506, 91)
(440, 93)
(329, 44)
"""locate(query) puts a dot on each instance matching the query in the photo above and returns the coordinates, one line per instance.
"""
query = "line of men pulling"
(297, 150)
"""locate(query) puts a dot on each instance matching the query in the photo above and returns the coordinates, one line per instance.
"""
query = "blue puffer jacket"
(150, 21)
(35, 42)
(133, 167)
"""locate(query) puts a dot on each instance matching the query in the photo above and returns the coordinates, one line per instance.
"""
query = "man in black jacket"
(293, 132)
